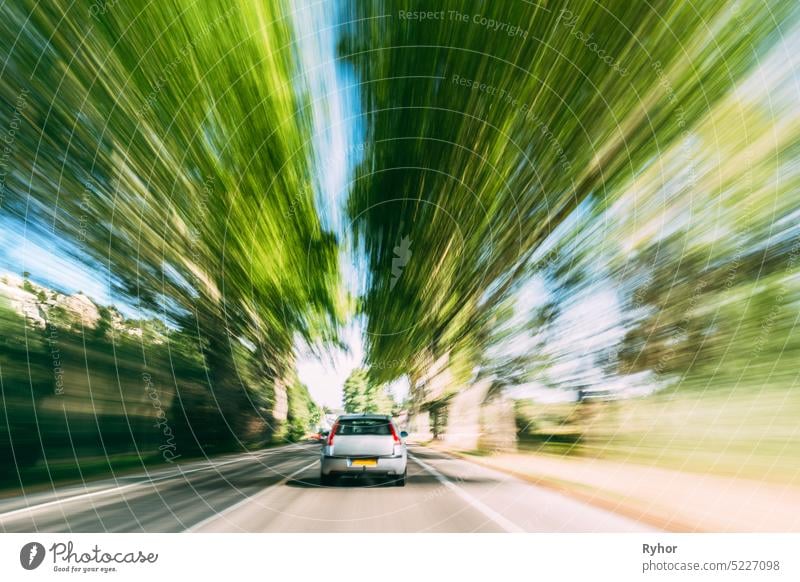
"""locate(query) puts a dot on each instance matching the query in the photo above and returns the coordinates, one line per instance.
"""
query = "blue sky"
(336, 109)
(48, 261)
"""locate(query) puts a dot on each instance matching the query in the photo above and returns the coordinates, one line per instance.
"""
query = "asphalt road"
(278, 490)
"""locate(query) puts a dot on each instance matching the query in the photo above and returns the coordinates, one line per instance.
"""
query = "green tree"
(180, 141)
(304, 413)
(355, 391)
(362, 395)
(482, 147)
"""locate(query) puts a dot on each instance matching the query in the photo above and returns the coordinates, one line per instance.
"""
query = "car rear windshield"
(358, 426)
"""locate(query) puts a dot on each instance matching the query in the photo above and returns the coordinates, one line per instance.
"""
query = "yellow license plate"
(364, 463)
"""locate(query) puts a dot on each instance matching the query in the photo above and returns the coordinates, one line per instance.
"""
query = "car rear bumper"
(343, 466)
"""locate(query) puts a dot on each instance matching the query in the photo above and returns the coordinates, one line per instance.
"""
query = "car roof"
(351, 416)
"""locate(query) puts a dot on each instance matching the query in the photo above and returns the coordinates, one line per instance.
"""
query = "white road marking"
(201, 524)
(118, 489)
(504, 523)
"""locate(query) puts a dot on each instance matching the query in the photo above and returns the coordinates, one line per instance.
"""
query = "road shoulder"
(666, 499)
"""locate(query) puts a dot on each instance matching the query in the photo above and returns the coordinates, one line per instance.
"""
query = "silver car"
(364, 444)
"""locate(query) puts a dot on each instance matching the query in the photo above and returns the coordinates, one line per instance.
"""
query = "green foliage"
(59, 317)
(179, 136)
(29, 287)
(362, 395)
(355, 391)
(304, 413)
(27, 375)
(483, 148)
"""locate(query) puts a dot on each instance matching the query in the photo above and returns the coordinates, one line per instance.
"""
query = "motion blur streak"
(165, 146)
(587, 236)
(571, 230)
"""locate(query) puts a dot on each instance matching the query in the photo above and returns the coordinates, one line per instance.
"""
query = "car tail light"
(333, 432)
(395, 436)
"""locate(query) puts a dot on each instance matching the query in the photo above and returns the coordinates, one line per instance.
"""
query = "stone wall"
(464, 418)
(498, 425)
(474, 422)
(419, 426)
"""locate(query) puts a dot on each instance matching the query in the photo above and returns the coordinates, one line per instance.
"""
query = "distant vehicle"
(364, 444)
